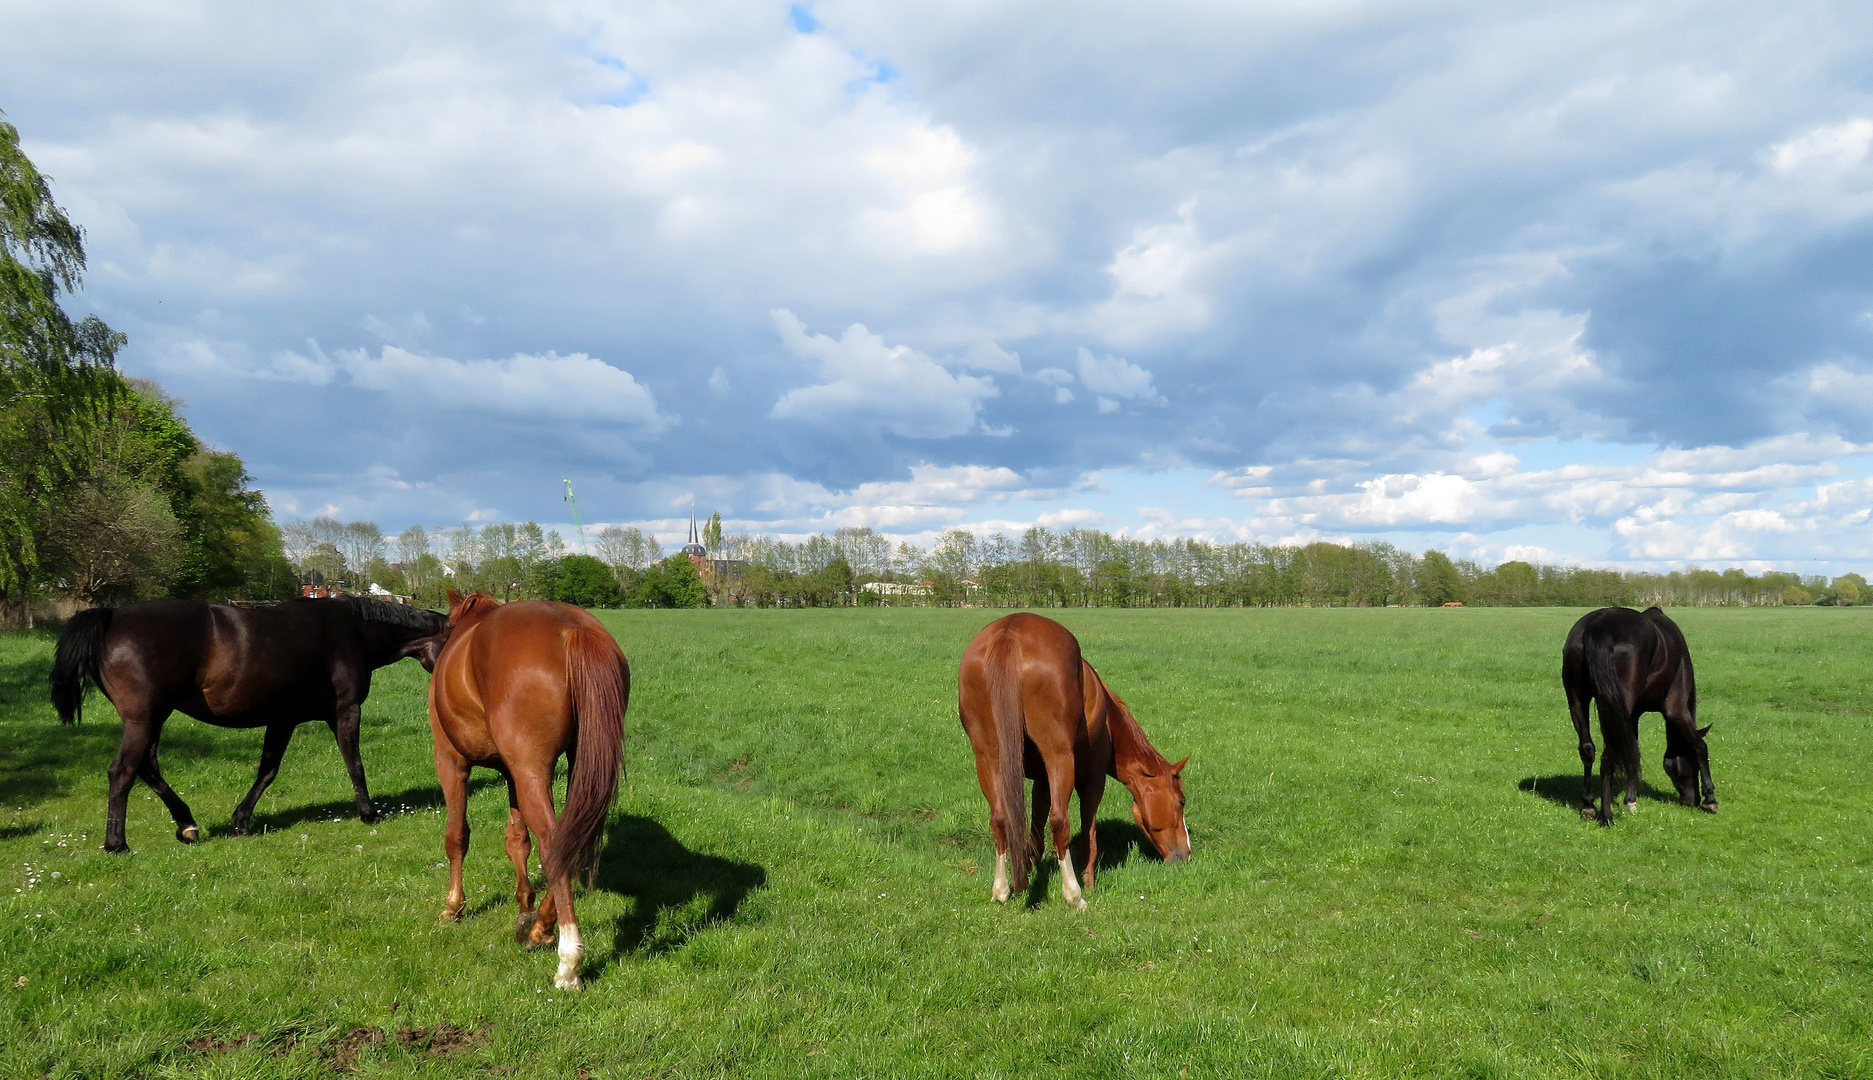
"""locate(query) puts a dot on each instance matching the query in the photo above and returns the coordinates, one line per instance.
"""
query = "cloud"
(1464, 269)
(868, 383)
(1114, 377)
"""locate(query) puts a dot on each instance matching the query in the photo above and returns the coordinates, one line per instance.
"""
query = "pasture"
(1390, 876)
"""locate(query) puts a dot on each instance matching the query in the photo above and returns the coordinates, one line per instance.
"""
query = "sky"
(1571, 282)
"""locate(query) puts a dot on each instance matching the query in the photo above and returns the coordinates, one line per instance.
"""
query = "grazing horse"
(516, 685)
(1034, 708)
(1632, 662)
(276, 667)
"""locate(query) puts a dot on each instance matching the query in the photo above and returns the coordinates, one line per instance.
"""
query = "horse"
(1034, 708)
(1632, 662)
(275, 666)
(515, 686)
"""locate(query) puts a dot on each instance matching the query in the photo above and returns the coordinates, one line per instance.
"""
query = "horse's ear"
(455, 598)
(1703, 731)
(1179, 767)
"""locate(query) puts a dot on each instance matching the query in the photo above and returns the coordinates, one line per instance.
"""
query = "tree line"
(106, 495)
(1090, 568)
(506, 560)
(1040, 568)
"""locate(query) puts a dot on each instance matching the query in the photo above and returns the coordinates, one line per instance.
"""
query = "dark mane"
(404, 615)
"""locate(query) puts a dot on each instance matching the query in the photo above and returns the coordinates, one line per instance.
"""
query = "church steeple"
(694, 548)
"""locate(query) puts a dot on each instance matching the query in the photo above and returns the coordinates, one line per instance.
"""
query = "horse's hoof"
(1588, 813)
(450, 915)
(119, 848)
(371, 817)
(565, 982)
(1709, 807)
(188, 834)
(522, 927)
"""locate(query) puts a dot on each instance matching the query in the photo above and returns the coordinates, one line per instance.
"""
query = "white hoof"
(566, 982)
(190, 834)
(1001, 892)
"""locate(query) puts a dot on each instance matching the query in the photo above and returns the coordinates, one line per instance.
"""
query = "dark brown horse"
(516, 686)
(1033, 708)
(275, 667)
(1631, 662)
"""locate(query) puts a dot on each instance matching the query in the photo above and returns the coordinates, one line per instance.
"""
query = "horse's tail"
(1621, 756)
(601, 688)
(76, 661)
(1011, 732)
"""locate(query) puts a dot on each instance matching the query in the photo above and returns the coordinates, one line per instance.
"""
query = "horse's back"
(1045, 657)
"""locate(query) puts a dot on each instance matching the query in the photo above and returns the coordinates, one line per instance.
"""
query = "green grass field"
(1390, 876)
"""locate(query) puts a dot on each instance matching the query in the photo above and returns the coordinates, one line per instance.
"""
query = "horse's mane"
(382, 611)
(1128, 737)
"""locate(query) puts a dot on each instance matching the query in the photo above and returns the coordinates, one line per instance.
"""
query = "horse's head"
(469, 610)
(1158, 808)
(1687, 762)
(426, 650)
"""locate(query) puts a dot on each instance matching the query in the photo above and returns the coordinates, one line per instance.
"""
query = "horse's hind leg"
(1060, 783)
(271, 751)
(143, 727)
(535, 796)
(186, 830)
(452, 773)
(1577, 702)
(987, 778)
(519, 849)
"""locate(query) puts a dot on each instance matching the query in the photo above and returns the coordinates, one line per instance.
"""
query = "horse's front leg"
(272, 750)
(1091, 789)
(345, 729)
(452, 773)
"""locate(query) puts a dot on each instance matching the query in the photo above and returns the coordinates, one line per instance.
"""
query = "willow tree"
(56, 374)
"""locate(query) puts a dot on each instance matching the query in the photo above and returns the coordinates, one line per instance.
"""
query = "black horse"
(1632, 662)
(275, 667)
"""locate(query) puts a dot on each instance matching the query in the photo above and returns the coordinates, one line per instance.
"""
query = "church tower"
(698, 555)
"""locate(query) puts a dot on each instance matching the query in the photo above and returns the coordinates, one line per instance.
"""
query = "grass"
(1390, 874)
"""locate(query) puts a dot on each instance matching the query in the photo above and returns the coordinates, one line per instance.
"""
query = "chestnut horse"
(1034, 708)
(1629, 663)
(516, 685)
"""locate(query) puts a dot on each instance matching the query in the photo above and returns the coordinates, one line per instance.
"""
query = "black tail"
(75, 663)
(1617, 733)
(601, 690)
(1011, 732)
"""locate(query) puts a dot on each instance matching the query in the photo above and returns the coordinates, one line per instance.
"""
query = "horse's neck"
(1132, 753)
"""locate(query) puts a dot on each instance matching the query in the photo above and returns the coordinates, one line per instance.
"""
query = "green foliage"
(56, 375)
(1438, 581)
(581, 580)
(672, 583)
(1389, 879)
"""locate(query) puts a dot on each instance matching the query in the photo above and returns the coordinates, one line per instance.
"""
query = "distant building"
(698, 555)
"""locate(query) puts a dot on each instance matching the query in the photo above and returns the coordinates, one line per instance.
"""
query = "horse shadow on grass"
(679, 892)
(409, 800)
(1119, 840)
(1564, 790)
